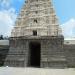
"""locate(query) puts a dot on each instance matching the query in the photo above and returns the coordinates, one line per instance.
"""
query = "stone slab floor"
(35, 71)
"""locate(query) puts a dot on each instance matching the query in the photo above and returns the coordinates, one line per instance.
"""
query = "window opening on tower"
(34, 32)
(35, 20)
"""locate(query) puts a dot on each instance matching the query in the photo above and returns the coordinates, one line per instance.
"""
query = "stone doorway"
(35, 49)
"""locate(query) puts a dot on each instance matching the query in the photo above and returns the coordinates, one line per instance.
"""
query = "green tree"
(1, 37)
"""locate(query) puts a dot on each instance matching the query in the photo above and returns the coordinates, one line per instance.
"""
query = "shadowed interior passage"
(34, 54)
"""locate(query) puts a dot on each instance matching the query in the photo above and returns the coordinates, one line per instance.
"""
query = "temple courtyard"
(35, 71)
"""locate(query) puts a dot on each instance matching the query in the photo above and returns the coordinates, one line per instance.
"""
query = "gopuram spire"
(37, 17)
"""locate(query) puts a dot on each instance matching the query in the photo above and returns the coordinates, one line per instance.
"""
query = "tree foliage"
(1, 37)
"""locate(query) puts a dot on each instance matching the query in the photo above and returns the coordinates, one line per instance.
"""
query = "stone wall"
(70, 54)
(52, 53)
(18, 53)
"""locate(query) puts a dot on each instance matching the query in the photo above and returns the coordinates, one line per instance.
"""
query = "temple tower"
(36, 39)
(37, 16)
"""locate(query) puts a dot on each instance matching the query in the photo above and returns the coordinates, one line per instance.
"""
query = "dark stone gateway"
(36, 52)
(41, 52)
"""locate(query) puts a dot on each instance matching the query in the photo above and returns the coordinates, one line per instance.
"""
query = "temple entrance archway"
(35, 49)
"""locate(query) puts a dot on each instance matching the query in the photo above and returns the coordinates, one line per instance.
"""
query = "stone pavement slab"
(35, 71)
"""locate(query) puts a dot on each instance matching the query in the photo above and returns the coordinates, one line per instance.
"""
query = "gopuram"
(36, 39)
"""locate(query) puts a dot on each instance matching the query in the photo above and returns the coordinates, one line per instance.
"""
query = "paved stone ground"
(35, 71)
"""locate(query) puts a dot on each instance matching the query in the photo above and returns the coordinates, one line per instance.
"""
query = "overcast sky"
(65, 10)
